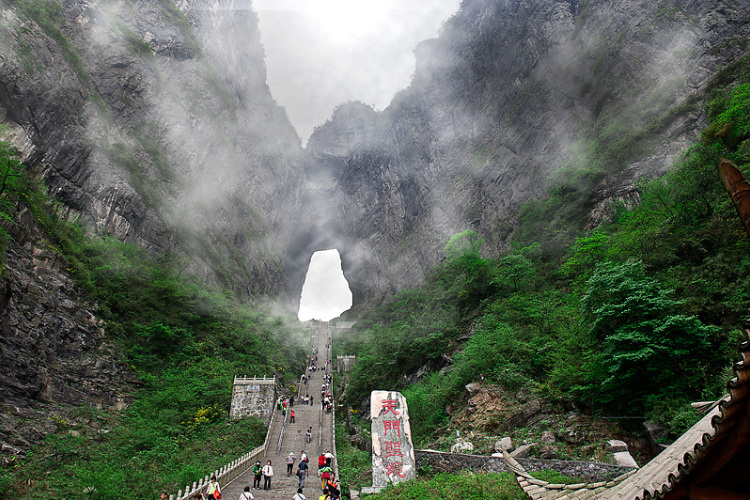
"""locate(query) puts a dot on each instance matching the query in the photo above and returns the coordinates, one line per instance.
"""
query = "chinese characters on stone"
(392, 449)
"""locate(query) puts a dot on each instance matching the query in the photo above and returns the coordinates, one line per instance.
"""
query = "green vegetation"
(134, 43)
(183, 343)
(456, 487)
(151, 192)
(15, 185)
(637, 317)
(26, 53)
(175, 16)
(355, 465)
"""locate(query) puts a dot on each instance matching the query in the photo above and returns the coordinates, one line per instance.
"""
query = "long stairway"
(284, 487)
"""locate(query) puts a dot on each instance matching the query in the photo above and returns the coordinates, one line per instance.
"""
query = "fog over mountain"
(322, 54)
(155, 123)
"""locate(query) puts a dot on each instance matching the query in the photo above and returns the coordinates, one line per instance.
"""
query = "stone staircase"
(284, 487)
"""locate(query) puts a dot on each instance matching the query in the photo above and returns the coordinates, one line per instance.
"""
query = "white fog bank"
(323, 53)
(326, 293)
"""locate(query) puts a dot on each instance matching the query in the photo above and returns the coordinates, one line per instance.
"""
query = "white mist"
(326, 293)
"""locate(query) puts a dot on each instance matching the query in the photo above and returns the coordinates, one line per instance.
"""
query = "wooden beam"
(738, 189)
(734, 474)
(680, 492)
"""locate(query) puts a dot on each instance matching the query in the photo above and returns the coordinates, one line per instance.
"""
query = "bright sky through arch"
(326, 293)
(322, 53)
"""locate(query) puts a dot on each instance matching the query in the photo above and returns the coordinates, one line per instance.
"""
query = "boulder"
(505, 443)
(624, 459)
(462, 446)
(472, 388)
(548, 437)
(617, 446)
(656, 435)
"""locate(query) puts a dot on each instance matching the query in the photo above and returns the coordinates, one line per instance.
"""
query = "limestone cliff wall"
(154, 124)
(151, 121)
(53, 348)
(501, 99)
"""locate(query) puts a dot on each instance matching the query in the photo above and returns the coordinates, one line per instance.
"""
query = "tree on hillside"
(646, 347)
(462, 244)
(515, 269)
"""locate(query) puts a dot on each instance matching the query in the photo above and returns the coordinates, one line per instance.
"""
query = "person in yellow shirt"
(213, 489)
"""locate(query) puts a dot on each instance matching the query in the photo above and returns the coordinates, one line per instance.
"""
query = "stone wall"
(253, 397)
(453, 462)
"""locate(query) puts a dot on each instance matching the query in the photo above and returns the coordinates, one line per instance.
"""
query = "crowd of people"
(330, 485)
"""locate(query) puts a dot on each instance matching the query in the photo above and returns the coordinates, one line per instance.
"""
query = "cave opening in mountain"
(325, 293)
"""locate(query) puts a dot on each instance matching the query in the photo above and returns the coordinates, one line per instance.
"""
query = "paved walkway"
(284, 487)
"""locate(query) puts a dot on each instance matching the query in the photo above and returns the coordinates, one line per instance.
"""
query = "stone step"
(284, 487)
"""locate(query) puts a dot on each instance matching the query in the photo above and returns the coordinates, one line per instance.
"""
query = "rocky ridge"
(509, 92)
(154, 124)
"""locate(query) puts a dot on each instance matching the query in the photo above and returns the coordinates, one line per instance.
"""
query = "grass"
(462, 486)
(182, 341)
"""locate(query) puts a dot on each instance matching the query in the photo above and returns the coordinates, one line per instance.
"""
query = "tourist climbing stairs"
(285, 436)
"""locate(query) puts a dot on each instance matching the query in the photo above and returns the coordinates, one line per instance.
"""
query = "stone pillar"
(392, 449)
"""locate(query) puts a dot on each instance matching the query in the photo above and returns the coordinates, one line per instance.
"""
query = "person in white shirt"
(298, 495)
(246, 495)
(267, 475)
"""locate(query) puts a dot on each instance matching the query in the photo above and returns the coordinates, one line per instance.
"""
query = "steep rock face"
(152, 123)
(510, 92)
(52, 345)
(155, 124)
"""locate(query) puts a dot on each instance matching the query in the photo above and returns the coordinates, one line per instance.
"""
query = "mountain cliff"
(151, 121)
(154, 124)
(512, 91)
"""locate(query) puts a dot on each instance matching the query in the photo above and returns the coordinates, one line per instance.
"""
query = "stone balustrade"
(234, 469)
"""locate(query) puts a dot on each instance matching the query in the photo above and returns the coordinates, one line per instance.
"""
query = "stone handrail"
(225, 475)
(229, 472)
(244, 379)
